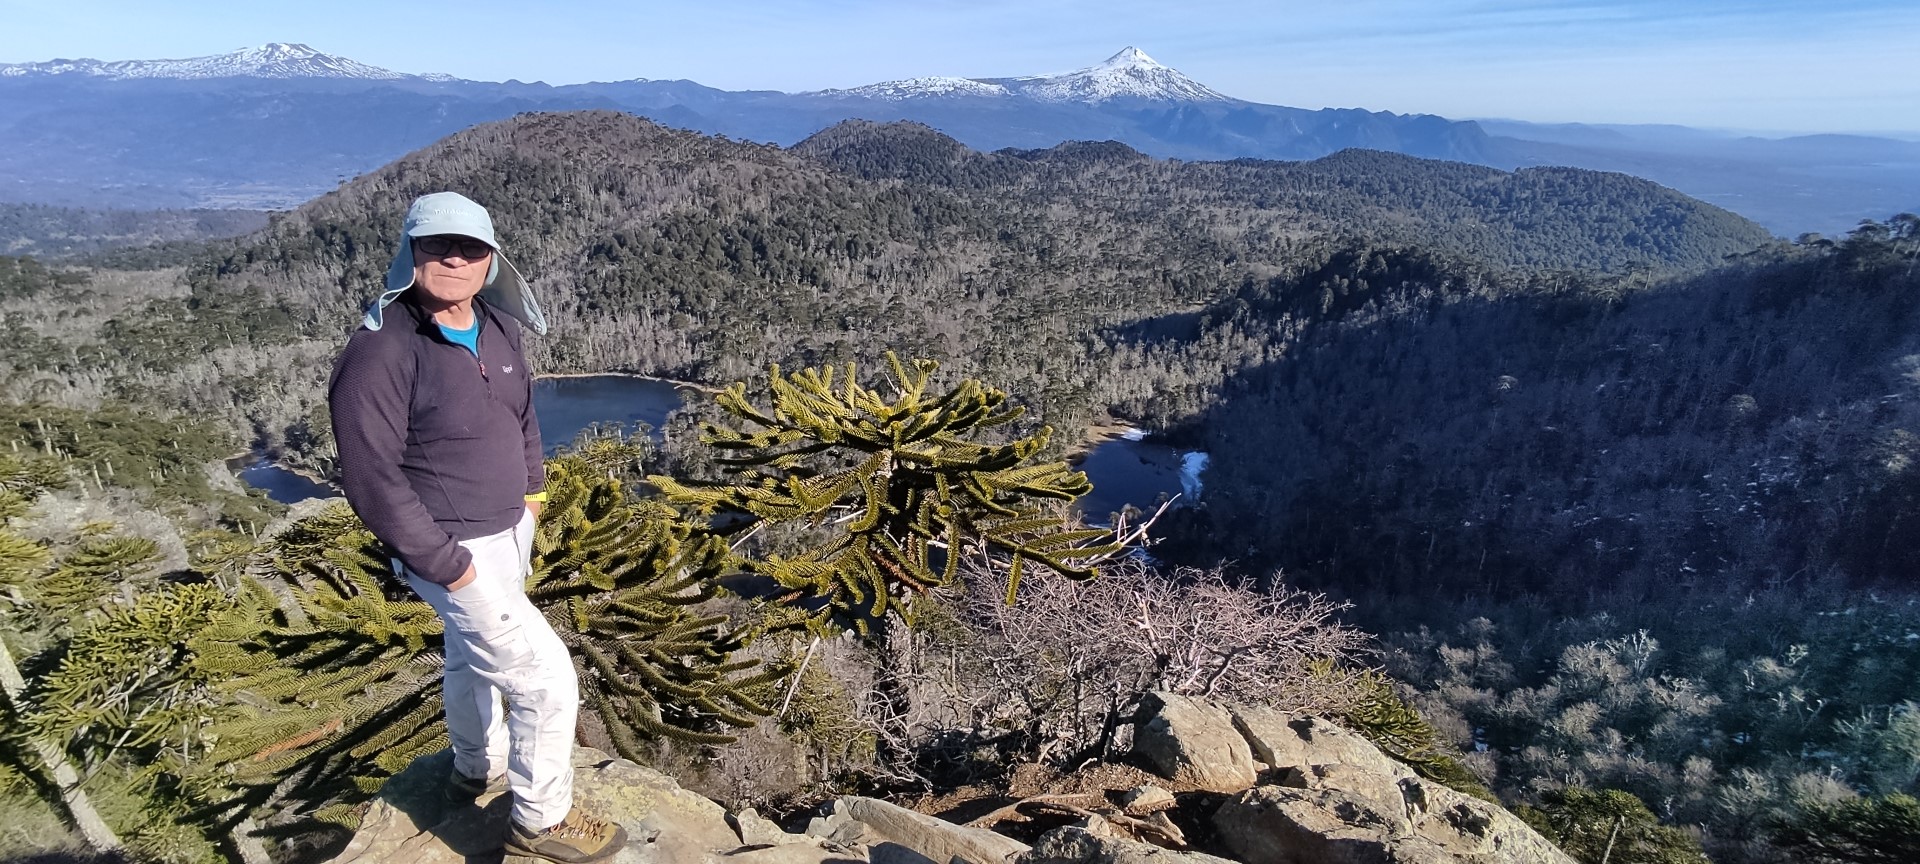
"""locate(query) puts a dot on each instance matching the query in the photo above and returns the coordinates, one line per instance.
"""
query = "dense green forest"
(1549, 432)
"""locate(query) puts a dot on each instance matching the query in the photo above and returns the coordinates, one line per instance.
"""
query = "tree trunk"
(89, 823)
(246, 846)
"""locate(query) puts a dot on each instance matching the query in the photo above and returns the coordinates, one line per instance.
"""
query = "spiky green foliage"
(338, 665)
(332, 674)
(21, 560)
(619, 579)
(910, 484)
(23, 477)
(1609, 826)
(127, 701)
(221, 555)
(1874, 830)
(94, 569)
(1396, 728)
(31, 762)
(128, 684)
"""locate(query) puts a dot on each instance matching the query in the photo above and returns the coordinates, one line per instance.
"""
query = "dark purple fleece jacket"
(436, 446)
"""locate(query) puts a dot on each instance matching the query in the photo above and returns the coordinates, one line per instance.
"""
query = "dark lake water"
(1129, 470)
(1124, 471)
(280, 484)
(567, 405)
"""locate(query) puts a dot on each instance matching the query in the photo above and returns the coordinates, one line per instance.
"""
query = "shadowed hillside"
(1751, 426)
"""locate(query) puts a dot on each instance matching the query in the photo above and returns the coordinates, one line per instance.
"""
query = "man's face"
(450, 268)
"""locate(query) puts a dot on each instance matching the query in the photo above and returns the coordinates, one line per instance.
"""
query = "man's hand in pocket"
(462, 582)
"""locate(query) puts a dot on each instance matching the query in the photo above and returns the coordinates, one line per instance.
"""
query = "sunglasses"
(470, 248)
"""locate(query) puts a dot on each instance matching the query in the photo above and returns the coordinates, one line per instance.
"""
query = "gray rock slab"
(1195, 742)
(1279, 825)
(1283, 740)
(897, 830)
(1333, 824)
(1472, 830)
(757, 830)
(1077, 846)
(1141, 800)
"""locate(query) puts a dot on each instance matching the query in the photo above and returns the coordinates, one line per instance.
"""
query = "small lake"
(279, 483)
(1124, 470)
(1132, 470)
(566, 406)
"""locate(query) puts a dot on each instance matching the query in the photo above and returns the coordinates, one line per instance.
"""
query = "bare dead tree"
(1068, 664)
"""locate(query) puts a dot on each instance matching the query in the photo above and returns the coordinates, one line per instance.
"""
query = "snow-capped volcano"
(272, 60)
(1130, 74)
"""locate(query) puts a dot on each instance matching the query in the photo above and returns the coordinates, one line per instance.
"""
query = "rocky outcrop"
(1194, 742)
(1332, 797)
(1283, 740)
(1332, 825)
(412, 822)
(1297, 789)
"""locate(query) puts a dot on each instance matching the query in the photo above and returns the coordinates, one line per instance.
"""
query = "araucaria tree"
(905, 481)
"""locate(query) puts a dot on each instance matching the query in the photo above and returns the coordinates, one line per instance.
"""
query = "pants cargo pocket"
(491, 627)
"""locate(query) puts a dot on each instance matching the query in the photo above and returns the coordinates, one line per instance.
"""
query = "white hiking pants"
(498, 643)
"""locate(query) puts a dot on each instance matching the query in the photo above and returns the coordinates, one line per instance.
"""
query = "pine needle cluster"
(909, 484)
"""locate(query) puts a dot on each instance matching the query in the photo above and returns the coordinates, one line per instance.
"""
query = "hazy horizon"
(1765, 66)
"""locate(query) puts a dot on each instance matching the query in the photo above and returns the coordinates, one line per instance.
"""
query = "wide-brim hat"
(454, 213)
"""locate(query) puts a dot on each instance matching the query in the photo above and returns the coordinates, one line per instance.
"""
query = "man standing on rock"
(440, 456)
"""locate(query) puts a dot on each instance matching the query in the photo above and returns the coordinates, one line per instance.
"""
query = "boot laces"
(578, 826)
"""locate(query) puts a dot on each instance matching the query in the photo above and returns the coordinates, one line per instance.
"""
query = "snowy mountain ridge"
(278, 60)
(911, 88)
(1130, 74)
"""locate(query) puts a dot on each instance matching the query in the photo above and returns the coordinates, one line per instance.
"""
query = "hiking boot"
(462, 789)
(578, 838)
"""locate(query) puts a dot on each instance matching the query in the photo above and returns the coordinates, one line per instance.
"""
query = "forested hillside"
(1454, 430)
(680, 255)
(1649, 535)
(1541, 218)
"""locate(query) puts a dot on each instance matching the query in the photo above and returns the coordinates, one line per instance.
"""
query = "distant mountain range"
(272, 126)
(273, 60)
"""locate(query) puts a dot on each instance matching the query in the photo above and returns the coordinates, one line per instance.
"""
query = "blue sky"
(1770, 65)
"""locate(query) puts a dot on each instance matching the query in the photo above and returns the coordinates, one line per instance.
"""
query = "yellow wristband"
(540, 497)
